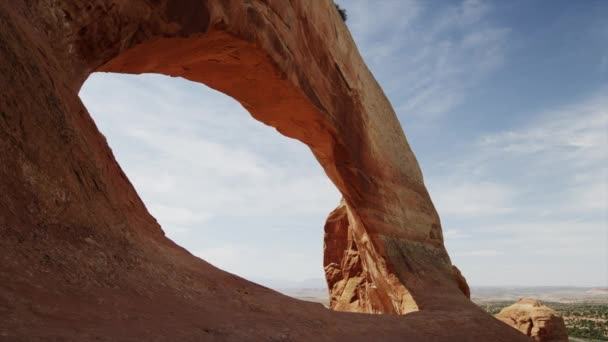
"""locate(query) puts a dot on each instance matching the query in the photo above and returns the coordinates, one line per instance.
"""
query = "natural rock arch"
(75, 233)
(323, 104)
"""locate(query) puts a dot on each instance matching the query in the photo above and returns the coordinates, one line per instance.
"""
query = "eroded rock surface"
(352, 286)
(536, 320)
(82, 259)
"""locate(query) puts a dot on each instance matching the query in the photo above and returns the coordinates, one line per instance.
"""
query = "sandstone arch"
(78, 244)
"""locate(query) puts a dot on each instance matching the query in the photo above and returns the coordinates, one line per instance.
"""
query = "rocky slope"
(82, 259)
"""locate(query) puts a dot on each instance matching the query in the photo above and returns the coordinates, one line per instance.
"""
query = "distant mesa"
(536, 320)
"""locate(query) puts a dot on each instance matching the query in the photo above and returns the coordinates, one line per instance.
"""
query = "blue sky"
(505, 104)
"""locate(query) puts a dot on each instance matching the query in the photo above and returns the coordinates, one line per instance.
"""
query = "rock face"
(536, 320)
(82, 259)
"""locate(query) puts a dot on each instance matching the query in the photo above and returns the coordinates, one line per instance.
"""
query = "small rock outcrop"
(536, 320)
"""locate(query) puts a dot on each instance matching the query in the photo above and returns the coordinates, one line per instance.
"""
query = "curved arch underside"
(82, 257)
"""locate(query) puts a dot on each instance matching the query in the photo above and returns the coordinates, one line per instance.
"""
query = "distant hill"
(315, 290)
(284, 284)
(545, 293)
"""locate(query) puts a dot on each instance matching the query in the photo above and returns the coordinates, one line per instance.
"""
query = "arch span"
(72, 221)
(362, 280)
(393, 231)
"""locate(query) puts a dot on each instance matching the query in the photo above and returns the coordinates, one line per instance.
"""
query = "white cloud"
(428, 58)
(263, 265)
(176, 218)
(204, 160)
(485, 252)
(219, 182)
(567, 146)
(472, 199)
(578, 131)
(450, 234)
(227, 257)
(532, 197)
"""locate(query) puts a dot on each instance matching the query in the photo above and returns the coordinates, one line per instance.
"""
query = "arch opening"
(221, 185)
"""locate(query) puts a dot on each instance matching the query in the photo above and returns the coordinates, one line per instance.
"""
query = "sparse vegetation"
(583, 320)
(342, 12)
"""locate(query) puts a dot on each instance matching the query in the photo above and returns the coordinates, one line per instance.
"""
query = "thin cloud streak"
(427, 60)
(221, 184)
(548, 195)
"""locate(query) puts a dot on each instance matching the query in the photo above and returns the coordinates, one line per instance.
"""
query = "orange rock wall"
(82, 259)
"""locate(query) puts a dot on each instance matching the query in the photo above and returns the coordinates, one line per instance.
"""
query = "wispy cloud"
(263, 264)
(566, 148)
(556, 163)
(220, 183)
(427, 58)
(538, 190)
(190, 168)
(485, 252)
(577, 131)
(455, 234)
(473, 199)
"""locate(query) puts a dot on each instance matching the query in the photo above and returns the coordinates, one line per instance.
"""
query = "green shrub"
(342, 12)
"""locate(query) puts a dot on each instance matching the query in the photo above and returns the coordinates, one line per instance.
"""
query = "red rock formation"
(536, 320)
(461, 281)
(351, 284)
(82, 258)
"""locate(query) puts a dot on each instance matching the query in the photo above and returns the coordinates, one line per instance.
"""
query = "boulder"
(536, 320)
